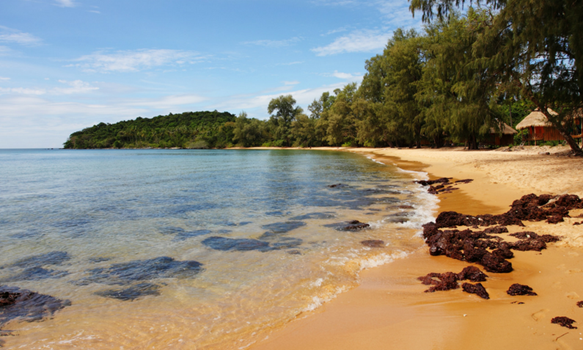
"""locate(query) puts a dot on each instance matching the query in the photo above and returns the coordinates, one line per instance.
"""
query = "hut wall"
(544, 133)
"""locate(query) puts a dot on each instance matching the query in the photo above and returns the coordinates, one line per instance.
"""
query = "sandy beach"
(389, 309)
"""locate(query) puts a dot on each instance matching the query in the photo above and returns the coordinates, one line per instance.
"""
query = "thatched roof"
(505, 129)
(535, 118)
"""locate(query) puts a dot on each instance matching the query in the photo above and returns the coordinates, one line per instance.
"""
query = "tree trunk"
(565, 134)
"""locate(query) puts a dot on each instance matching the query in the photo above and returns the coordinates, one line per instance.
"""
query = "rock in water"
(27, 305)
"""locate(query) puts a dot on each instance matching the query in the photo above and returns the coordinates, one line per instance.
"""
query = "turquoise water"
(188, 248)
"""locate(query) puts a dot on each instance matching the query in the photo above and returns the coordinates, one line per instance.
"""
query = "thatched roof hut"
(504, 129)
(535, 118)
(501, 136)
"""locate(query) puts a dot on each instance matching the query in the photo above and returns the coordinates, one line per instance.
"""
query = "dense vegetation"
(186, 130)
(455, 82)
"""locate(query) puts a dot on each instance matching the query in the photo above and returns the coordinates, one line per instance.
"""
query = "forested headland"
(456, 81)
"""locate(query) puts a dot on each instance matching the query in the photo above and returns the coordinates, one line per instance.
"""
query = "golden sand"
(389, 309)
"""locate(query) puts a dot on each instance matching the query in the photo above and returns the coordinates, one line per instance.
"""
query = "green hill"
(185, 130)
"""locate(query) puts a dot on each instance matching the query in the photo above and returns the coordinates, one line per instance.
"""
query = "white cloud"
(4, 78)
(9, 35)
(132, 61)
(73, 87)
(65, 3)
(358, 41)
(290, 63)
(346, 76)
(23, 91)
(273, 43)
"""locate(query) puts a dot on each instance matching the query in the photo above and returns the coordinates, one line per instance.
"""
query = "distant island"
(185, 130)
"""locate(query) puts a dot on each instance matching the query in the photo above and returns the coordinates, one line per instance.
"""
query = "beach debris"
(578, 223)
(27, 305)
(520, 289)
(579, 304)
(564, 322)
(373, 243)
(477, 289)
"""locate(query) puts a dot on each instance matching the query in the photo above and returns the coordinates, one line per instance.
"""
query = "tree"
(286, 113)
(535, 47)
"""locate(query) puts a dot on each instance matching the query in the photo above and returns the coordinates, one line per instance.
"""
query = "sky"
(69, 64)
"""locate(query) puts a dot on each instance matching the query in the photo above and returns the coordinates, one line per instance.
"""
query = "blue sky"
(69, 64)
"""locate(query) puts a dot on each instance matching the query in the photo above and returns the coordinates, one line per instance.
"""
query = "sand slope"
(389, 310)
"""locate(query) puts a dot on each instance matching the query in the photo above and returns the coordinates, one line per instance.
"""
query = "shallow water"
(192, 249)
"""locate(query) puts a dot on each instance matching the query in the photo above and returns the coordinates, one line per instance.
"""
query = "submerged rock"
(132, 293)
(52, 258)
(26, 305)
(324, 215)
(283, 227)
(142, 270)
(35, 274)
(240, 244)
(373, 243)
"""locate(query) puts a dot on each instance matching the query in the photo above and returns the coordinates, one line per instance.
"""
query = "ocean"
(192, 249)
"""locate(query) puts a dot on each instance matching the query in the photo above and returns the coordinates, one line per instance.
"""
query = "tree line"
(456, 81)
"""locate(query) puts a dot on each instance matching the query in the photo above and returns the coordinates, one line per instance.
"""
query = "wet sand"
(389, 309)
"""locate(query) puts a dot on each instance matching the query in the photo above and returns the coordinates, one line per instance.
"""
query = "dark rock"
(578, 223)
(132, 293)
(529, 244)
(477, 289)
(497, 229)
(336, 185)
(443, 180)
(564, 322)
(493, 263)
(352, 225)
(579, 304)
(520, 289)
(440, 282)
(472, 273)
(464, 181)
(142, 270)
(373, 243)
(555, 219)
(27, 305)
(238, 244)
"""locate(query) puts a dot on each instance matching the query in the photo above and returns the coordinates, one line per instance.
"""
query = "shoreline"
(389, 309)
